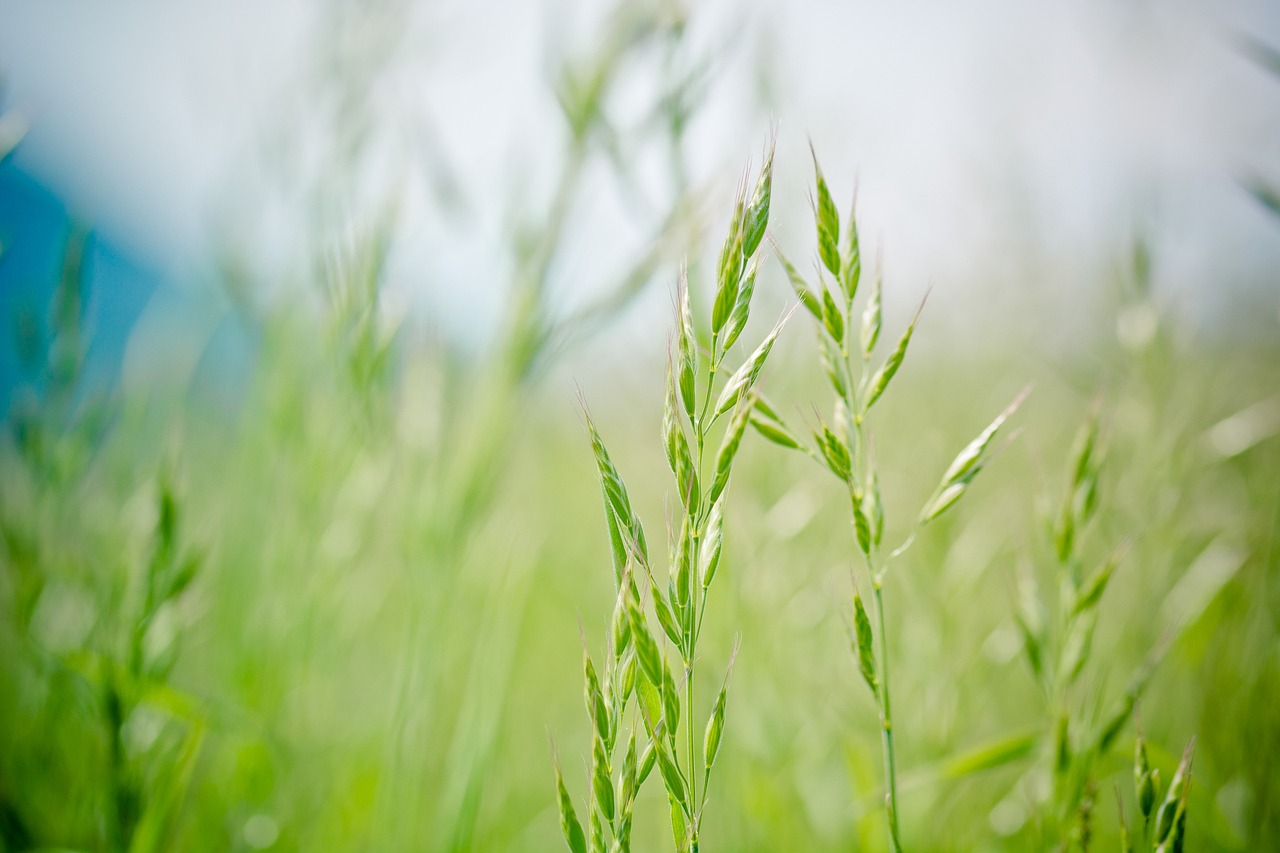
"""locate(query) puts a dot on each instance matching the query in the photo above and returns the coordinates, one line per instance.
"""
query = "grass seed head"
(871, 318)
(864, 643)
(687, 351)
(647, 760)
(827, 219)
(666, 618)
(757, 214)
(767, 422)
(967, 464)
(620, 625)
(671, 776)
(851, 270)
(803, 292)
(729, 447)
(835, 452)
(628, 776)
(597, 709)
(833, 366)
(741, 308)
(715, 726)
(670, 700)
(832, 317)
(646, 649)
(882, 377)
(602, 779)
(1145, 780)
(569, 824)
(730, 272)
(712, 543)
(627, 678)
(744, 378)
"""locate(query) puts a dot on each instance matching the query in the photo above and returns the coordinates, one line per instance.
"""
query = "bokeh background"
(298, 300)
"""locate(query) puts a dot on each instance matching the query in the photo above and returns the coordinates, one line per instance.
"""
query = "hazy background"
(1005, 152)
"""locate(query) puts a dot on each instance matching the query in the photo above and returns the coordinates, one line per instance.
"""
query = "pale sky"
(1001, 146)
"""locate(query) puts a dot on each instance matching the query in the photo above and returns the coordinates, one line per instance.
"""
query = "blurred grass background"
(325, 598)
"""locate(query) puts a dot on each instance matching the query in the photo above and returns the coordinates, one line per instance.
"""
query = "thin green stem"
(886, 720)
(688, 724)
(695, 583)
(864, 461)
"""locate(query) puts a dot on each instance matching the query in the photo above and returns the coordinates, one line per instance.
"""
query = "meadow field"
(345, 605)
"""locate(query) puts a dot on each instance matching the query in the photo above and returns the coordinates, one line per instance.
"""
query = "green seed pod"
(1082, 460)
(1153, 780)
(681, 563)
(679, 834)
(628, 678)
(620, 627)
(679, 458)
(628, 776)
(833, 366)
(569, 824)
(597, 710)
(864, 643)
(671, 777)
(872, 506)
(687, 353)
(871, 317)
(1096, 585)
(861, 524)
(1142, 782)
(1179, 829)
(1147, 792)
(967, 464)
(1062, 746)
(828, 221)
(1079, 644)
(943, 501)
(646, 649)
(647, 760)
(836, 453)
(667, 619)
(670, 700)
(801, 287)
(729, 447)
(729, 273)
(1064, 532)
(832, 317)
(601, 779)
(1175, 799)
(714, 732)
(882, 377)
(1164, 821)
(851, 271)
(742, 308)
(744, 378)
(712, 544)
(775, 432)
(757, 215)
(1086, 503)
(650, 701)
(597, 833)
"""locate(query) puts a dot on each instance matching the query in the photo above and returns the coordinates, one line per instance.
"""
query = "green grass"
(365, 676)
(346, 615)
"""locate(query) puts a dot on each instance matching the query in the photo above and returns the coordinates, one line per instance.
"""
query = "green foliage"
(343, 618)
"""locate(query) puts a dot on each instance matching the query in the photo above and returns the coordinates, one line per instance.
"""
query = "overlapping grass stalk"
(845, 447)
(703, 406)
